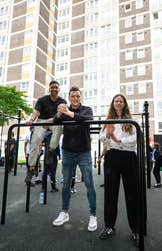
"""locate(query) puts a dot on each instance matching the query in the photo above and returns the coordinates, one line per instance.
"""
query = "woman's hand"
(110, 133)
(109, 130)
(114, 138)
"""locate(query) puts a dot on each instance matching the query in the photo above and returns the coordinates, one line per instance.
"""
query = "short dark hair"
(54, 82)
(74, 89)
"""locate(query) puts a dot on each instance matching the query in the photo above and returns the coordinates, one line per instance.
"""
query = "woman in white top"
(119, 161)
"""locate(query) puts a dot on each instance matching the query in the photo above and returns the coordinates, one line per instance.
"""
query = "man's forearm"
(34, 115)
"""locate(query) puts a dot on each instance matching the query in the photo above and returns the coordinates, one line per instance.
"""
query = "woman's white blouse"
(128, 141)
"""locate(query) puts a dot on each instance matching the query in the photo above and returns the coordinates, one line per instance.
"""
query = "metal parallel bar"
(45, 185)
(147, 126)
(141, 196)
(99, 154)
(141, 167)
(5, 184)
(17, 143)
(95, 157)
(27, 198)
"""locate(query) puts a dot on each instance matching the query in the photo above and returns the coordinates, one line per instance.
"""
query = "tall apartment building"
(102, 46)
(87, 50)
(135, 54)
(31, 50)
(110, 46)
(156, 48)
(4, 29)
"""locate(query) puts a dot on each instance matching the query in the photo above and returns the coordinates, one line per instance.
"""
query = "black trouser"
(156, 171)
(51, 171)
(120, 164)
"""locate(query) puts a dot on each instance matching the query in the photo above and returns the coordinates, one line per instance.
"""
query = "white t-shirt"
(27, 140)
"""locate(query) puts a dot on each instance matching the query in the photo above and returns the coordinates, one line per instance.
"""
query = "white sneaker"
(73, 190)
(92, 225)
(61, 219)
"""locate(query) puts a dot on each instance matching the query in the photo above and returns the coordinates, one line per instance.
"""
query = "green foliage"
(10, 101)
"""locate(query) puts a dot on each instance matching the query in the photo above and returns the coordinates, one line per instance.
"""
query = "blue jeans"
(84, 161)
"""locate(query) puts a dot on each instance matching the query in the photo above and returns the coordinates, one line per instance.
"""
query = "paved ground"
(34, 231)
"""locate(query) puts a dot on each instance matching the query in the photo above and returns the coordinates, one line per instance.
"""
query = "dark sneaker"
(135, 238)
(38, 182)
(54, 190)
(49, 157)
(32, 184)
(157, 185)
(29, 176)
(107, 233)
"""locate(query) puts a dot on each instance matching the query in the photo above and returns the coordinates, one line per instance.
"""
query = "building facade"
(30, 62)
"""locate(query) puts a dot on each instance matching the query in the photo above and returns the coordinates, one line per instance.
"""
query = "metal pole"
(95, 159)
(2, 131)
(99, 159)
(27, 198)
(147, 138)
(5, 186)
(17, 142)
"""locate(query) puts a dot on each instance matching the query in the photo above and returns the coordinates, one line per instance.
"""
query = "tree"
(10, 101)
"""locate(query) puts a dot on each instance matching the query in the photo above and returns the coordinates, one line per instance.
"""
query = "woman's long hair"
(126, 114)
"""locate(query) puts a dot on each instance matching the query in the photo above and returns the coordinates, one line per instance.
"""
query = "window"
(141, 70)
(139, 4)
(131, 105)
(25, 68)
(129, 89)
(159, 108)
(26, 51)
(92, 32)
(91, 19)
(48, 78)
(24, 86)
(64, 12)
(160, 126)
(3, 40)
(140, 36)
(128, 7)
(129, 73)
(3, 10)
(141, 88)
(29, 19)
(128, 39)
(128, 55)
(63, 26)
(63, 39)
(139, 19)
(1, 72)
(62, 53)
(3, 24)
(140, 53)
(30, 3)
(155, 16)
(2, 55)
(62, 67)
(64, 1)
(28, 35)
(140, 106)
(128, 22)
